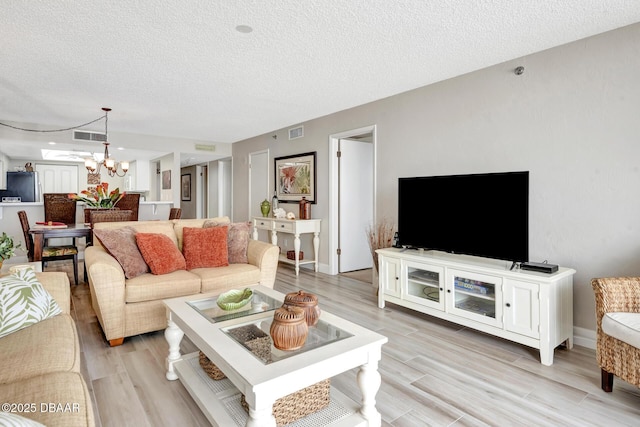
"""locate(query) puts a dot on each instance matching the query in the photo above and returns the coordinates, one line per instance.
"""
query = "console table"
(295, 227)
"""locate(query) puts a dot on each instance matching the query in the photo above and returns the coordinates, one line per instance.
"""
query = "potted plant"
(7, 247)
(101, 198)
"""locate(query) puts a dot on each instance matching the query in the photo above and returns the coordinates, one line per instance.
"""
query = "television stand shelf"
(530, 308)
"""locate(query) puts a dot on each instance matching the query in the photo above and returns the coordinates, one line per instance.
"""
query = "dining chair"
(58, 207)
(175, 213)
(49, 253)
(111, 216)
(130, 201)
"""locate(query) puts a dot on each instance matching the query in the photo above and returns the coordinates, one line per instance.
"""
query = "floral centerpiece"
(100, 198)
(7, 247)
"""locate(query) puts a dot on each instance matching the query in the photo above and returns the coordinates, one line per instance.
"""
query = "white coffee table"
(337, 346)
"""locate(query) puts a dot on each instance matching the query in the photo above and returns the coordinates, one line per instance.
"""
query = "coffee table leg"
(262, 416)
(173, 335)
(369, 383)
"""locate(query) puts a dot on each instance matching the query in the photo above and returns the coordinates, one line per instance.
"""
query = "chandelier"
(107, 161)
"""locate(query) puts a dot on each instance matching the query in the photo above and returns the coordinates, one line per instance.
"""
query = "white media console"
(530, 308)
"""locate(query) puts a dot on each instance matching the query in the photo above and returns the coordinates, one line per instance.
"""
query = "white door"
(355, 170)
(258, 181)
(58, 178)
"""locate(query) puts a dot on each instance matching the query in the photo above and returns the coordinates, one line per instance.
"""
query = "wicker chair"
(49, 253)
(616, 357)
(58, 207)
(175, 213)
(111, 216)
(130, 201)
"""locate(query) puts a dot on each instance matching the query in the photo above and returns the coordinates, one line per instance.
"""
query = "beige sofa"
(127, 307)
(40, 366)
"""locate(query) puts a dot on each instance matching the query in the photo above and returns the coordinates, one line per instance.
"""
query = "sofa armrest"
(107, 286)
(264, 256)
(616, 294)
(57, 284)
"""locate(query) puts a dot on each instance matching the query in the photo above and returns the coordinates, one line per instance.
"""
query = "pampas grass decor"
(380, 236)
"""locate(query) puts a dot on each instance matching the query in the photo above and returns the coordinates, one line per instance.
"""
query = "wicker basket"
(292, 255)
(210, 368)
(299, 404)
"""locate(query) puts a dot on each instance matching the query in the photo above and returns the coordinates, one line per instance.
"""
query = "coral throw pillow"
(160, 253)
(121, 244)
(205, 247)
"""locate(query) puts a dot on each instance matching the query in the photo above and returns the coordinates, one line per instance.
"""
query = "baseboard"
(584, 337)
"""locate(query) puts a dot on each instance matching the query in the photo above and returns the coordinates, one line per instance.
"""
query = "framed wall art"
(185, 187)
(295, 177)
(93, 178)
(166, 180)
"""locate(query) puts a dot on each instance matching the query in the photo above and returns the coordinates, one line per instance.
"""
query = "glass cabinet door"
(475, 296)
(424, 285)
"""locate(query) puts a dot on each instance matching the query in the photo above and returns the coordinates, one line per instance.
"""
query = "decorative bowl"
(234, 299)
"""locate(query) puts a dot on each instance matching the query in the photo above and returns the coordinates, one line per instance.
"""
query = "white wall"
(571, 119)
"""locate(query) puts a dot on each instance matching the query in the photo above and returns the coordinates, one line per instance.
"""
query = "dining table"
(40, 233)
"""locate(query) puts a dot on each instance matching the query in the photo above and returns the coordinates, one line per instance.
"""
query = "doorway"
(258, 181)
(202, 191)
(352, 198)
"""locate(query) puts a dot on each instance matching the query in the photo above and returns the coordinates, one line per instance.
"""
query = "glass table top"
(254, 337)
(209, 308)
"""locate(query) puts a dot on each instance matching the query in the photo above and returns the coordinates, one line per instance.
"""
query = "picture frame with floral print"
(295, 177)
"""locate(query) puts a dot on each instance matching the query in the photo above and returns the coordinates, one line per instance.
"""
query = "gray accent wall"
(572, 119)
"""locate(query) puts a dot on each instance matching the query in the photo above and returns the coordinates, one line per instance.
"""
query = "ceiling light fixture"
(109, 163)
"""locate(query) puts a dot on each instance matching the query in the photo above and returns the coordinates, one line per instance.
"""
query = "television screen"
(485, 215)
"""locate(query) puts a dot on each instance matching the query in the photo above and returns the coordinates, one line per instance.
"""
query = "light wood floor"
(433, 372)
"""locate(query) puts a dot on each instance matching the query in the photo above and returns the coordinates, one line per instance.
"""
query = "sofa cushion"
(121, 244)
(205, 247)
(57, 284)
(149, 287)
(64, 395)
(238, 242)
(180, 224)
(225, 278)
(24, 353)
(237, 239)
(160, 253)
(24, 302)
(623, 326)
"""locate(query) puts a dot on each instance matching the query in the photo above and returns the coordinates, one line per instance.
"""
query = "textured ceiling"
(180, 68)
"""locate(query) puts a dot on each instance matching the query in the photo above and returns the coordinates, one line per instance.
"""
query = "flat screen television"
(485, 215)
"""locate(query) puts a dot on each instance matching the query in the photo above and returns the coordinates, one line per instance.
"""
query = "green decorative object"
(234, 299)
(265, 207)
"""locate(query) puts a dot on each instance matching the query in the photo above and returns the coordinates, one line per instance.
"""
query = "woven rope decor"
(299, 404)
(292, 255)
(210, 368)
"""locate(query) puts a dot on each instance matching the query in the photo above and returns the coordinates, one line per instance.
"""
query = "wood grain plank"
(434, 373)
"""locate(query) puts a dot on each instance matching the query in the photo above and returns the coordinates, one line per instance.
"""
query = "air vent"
(205, 147)
(85, 135)
(295, 133)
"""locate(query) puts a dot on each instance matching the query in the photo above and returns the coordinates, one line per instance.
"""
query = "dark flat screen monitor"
(484, 215)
